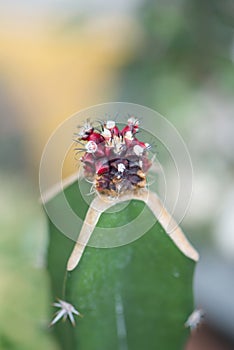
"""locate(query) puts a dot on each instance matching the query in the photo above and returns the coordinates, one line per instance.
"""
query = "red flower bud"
(96, 137)
(102, 166)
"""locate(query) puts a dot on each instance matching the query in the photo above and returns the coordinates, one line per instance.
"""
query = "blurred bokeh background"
(58, 57)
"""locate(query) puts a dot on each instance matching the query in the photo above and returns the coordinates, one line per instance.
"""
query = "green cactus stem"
(133, 297)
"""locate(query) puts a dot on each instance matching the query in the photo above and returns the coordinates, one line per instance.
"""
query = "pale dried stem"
(98, 206)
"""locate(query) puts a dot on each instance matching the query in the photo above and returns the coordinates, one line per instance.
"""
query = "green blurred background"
(57, 57)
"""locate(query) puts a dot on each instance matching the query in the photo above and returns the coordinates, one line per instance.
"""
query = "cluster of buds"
(114, 160)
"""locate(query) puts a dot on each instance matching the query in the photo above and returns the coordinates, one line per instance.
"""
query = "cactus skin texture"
(133, 297)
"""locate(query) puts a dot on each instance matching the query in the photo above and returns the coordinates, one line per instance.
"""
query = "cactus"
(138, 295)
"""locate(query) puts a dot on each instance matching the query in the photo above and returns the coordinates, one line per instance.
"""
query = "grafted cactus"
(132, 296)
